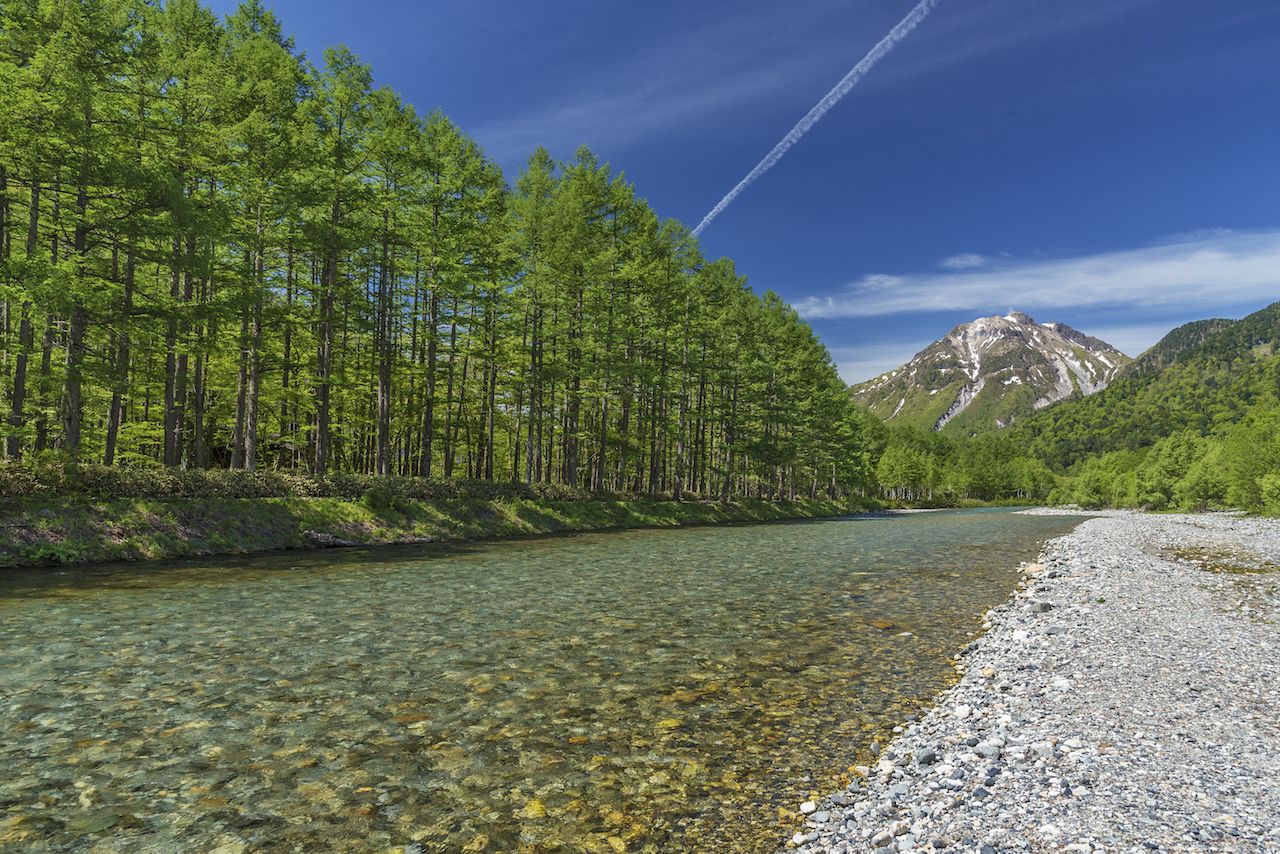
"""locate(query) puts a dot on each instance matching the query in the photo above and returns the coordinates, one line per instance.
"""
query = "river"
(668, 690)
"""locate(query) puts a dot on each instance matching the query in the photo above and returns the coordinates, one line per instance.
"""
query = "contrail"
(886, 44)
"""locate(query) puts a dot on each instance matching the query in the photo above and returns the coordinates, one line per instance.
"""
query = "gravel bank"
(1127, 698)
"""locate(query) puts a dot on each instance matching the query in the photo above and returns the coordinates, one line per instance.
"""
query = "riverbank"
(1123, 700)
(53, 532)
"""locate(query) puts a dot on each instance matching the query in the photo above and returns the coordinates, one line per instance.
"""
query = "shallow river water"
(678, 690)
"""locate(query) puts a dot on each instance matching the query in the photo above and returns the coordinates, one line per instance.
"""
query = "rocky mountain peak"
(985, 373)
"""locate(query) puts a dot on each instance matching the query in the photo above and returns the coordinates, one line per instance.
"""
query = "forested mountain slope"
(989, 372)
(1207, 386)
(1195, 424)
(1175, 346)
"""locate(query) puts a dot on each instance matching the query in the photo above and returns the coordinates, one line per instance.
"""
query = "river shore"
(1124, 699)
(58, 533)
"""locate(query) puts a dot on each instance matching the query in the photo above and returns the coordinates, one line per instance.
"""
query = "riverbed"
(637, 691)
(1123, 701)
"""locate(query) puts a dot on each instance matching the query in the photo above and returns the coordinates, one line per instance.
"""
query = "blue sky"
(1111, 164)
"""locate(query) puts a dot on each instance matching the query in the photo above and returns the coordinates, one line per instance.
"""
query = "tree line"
(1237, 465)
(1195, 426)
(215, 254)
(925, 467)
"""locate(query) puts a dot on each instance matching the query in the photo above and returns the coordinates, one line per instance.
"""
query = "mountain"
(1176, 346)
(1233, 370)
(989, 372)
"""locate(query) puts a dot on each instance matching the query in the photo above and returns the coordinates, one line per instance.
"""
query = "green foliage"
(1250, 453)
(1176, 346)
(1194, 425)
(904, 472)
(383, 498)
(923, 466)
(1206, 389)
(1269, 486)
(216, 255)
(54, 553)
(60, 480)
(70, 532)
(1205, 484)
(1165, 468)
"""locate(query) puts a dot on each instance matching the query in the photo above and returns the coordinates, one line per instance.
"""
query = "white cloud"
(1201, 274)
(963, 261)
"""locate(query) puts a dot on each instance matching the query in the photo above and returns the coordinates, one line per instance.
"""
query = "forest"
(215, 254)
(1192, 424)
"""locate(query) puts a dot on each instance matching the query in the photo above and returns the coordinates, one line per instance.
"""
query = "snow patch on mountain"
(1014, 352)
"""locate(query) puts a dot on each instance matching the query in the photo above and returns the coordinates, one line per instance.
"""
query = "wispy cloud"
(761, 59)
(1133, 338)
(1194, 235)
(634, 113)
(674, 83)
(857, 364)
(1224, 270)
(963, 261)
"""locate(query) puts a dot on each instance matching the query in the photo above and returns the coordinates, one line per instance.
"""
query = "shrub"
(60, 480)
(383, 496)
(1270, 488)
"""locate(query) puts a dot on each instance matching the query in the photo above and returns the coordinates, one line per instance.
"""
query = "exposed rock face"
(988, 372)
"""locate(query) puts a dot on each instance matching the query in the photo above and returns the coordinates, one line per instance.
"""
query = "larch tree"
(214, 255)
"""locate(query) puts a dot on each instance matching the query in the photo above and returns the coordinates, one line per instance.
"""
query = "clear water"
(646, 691)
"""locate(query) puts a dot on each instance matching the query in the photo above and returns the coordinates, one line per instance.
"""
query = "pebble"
(1141, 718)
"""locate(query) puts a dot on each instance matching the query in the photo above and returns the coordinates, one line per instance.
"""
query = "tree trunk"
(428, 409)
(171, 359)
(448, 391)
(19, 394)
(254, 367)
(122, 361)
(199, 394)
(384, 357)
(255, 381)
(46, 376)
(73, 412)
(324, 355)
(286, 366)
(575, 396)
(242, 383)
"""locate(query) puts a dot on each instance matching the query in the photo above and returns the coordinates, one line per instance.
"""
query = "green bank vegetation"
(60, 516)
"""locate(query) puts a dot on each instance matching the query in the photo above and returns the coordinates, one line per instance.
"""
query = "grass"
(53, 532)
